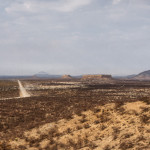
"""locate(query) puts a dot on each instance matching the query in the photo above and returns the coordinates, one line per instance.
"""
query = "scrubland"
(70, 115)
(8, 89)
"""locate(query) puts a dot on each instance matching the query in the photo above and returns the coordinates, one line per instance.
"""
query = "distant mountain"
(40, 75)
(66, 77)
(10, 77)
(77, 77)
(143, 76)
(124, 77)
(43, 74)
(130, 76)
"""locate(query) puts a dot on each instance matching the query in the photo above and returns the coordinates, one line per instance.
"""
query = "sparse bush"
(96, 110)
(5, 146)
(86, 126)
(145, 99)
(107, 147)
(145, 109)
(118, 104)
(71, 143)
(92, 145)
(86, 141)
(32, 142)
(79, 143)
(96, 121)
(22, 147)
(126, 145)
(127, 135)
(68, 130)
(83, 120)
(140, 138)
(144, 119)
(79, 127)
(53, 147)
(104, 117)
(116, 131)
(102, 127)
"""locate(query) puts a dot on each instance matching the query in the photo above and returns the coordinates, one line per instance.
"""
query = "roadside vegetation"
(8, 89)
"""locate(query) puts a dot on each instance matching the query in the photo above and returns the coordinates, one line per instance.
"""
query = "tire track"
(23, 92)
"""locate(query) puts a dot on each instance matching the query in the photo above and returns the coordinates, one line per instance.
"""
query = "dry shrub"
(53, 132)
(53, 147)
(126, 145)
(115, 133)
(127, 135)
(118, 104)
(144, 119)
(145, 99)
(145, 109)
(68, 130)
(148, 131)
(79, 127)
(107, 147)
(96, 110)
(80, 143)
(5, 146)
(33, 142)
(140, 138)
(102, 127)
(96, 121)
(104, 117)
(86, 126)
(83, 119)
(22, 147)
(92, 145)
(71, 143)
(119, 108)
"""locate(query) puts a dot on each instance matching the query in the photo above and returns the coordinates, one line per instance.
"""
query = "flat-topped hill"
(97, 76)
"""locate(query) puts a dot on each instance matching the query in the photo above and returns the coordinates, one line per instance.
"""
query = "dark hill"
(143, 76)
(46, 75)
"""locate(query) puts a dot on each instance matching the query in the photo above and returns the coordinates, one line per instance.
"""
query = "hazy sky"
(74, 36)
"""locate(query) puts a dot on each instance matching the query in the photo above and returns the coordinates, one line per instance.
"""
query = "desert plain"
(75, 114)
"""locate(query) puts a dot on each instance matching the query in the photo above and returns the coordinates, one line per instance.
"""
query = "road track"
(23, 92)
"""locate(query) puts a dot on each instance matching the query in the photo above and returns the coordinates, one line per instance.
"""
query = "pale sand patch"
(136, 106)
(44, 143)
(36, 132)
(18, 142)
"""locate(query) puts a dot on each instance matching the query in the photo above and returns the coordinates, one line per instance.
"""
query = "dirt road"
(23, 92)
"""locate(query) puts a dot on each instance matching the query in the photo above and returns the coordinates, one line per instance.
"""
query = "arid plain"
(72, 114)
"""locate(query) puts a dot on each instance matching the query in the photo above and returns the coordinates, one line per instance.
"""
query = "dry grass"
(8, 89)
(79, 119)
(104, 134)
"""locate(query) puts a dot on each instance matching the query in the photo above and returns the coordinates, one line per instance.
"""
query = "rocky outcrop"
(66, 77)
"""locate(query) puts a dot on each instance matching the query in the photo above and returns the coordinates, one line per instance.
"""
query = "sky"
(74, 36)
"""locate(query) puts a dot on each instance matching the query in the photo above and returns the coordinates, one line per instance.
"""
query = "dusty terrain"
(23, 92)
(8, 89)
(77, 115)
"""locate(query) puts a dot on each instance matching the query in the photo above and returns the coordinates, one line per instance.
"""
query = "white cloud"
(106, 31)
(71, 5)
(116, 2)
(36, 6)
(20, 7)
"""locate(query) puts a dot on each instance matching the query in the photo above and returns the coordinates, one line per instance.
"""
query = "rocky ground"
(8, 89)
(90, 116)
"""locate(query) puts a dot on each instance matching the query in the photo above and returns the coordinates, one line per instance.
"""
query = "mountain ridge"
(145, 75)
